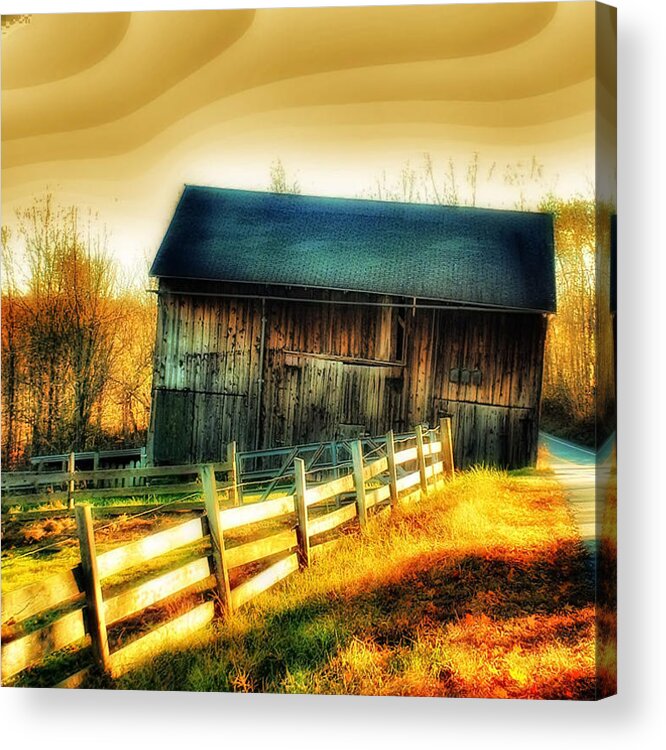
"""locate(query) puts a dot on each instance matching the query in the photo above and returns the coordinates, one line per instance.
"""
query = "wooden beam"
(379, 466)
(96, 484)
(302, 513)
(242, 554)
(332, 520)
(330, 489)
(233, 473)
(71, 465)
(185, 506)
(254, 586)
(393, 369)
(93, 589)
(392, 468)
(374, 497)
(135, 553)
(432, 448)
(165, 636)
(48, 593)
(447, 447)
(409, 480)
(75, 680)
(146, 490)
(420, 459)
(359, 482)
(232, 518)
(405, 455)
(336, 470)
(33, 648)
(137, 598)
(28, 478)
(207, 474)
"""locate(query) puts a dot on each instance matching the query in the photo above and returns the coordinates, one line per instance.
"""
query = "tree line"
(77, 339)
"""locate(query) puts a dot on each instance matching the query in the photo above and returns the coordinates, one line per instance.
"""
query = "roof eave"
(431, 301)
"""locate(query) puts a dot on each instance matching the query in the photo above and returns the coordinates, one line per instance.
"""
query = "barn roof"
(456, 254)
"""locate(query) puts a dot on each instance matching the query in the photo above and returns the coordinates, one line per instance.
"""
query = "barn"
(286, 319)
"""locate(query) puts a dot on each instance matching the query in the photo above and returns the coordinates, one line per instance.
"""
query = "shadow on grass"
(282, 650)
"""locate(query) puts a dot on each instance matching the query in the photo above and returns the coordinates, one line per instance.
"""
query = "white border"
(69, 719)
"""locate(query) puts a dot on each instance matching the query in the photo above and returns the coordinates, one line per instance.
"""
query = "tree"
(278, 180)
(570, 364)
(127, 405)
(463, 183)
(67, 318)
(12, 346)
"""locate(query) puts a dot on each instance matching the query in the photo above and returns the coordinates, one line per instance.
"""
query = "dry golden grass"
(481, 590)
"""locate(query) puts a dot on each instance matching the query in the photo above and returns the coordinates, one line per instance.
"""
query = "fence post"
(302, 530)
(359, 482)
(420, 459)
(95, 616)
(233, 473)
(447, 447)
(336, 470)
(96, 483)
(392, 469)
(71, 465)
(207, 474)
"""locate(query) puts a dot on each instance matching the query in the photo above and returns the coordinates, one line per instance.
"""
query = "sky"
(117, 111)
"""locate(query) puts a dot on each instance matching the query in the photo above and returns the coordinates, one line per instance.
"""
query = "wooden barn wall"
(205, 376)
(482, 368)
(496, 411)
(310, 398)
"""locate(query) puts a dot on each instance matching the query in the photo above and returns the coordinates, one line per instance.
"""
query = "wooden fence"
(78, 609)
(121, 458)
(85, 475)
(36, 487)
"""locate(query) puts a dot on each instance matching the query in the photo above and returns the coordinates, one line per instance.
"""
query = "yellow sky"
(116, 111)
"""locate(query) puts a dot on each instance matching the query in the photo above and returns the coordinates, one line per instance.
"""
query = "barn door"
(310, 399)
(500, 436)
(192, 426)
(172, 440)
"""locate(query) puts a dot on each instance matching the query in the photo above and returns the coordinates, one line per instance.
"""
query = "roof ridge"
(360, 199)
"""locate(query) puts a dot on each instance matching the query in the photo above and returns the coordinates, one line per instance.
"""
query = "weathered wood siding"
(487, 377)
(332, 371)
(205, 377)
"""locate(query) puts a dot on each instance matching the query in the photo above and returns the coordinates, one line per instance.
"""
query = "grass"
(480, 591)
(27, 503)
(47, 544)
(43, 504)
(607, 577)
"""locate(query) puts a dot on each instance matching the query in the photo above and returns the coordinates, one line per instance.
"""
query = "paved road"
(575, 467)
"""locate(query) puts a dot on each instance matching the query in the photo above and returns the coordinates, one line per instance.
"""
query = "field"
(480, 590)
